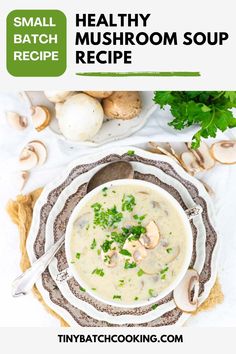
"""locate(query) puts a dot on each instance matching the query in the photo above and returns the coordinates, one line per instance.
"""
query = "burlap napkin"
(21, 210)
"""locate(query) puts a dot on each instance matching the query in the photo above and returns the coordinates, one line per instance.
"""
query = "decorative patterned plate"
(112, 130)
(51, 214)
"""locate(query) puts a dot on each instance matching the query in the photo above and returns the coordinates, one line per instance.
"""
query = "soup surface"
(128, 244)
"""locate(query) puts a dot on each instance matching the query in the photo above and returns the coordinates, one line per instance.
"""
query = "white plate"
(111, 130)
(82, 309)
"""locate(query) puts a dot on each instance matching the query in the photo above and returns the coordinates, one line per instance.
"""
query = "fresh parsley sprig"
(210, 110)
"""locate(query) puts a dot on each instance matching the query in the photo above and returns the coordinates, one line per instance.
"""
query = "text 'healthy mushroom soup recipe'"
(128, 243)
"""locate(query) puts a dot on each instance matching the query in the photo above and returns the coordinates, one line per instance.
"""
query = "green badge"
(36, 43)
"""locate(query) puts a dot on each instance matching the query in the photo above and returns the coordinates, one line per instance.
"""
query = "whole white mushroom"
(80, 117)
(57, 96)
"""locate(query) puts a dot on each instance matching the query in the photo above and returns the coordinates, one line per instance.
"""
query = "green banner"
(36, 43)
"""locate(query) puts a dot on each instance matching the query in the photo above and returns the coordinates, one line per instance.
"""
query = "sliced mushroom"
(187, 292)
(190, 162)
(110, 258)
(136, 249)
(82, 221)
(28, 159)
(155, 204)
(173, 255)
(41, 117)
(152, 236)
(23, 178)
(40, 149)
(224, 152)
(16, 121)
(151, 265)
(203, 156)
(173, 152)
(159, 149)
(143, 193)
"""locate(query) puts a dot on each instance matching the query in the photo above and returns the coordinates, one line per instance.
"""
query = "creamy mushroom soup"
(128, 244)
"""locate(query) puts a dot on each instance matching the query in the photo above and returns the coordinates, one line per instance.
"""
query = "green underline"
(141, 73)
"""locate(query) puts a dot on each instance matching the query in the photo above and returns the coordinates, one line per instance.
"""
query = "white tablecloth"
(27, 311)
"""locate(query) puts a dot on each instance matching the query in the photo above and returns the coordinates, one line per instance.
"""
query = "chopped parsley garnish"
(113, 191)
(104, 191)
(118, 297)
(106, 246)
(87, 227)
(139, 218)
(98, 252)
(132, 233)
(96, 207)
(169, 250)
(119, 238)
(121, 282)
(128, 202)
(130, 152)
(163, 273)
(140, 272)
(98, 271)
(136, 231)
(154, 306)
(77, 255)
(151, 292)
(136, 298)
(94, 289)
(72, 262)
(93, 244)
(107, 259)
(129, 265)
(82, 289)
(106, 217)
(125, 253)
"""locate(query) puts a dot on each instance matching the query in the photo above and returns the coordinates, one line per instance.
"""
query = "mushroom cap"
(136, 249)
(40, 149)
(224, 152)
(122, 105)
(80, 117)
(186, 293)
(99, 94)
(16, 121)
(57, 96)
(28, 159)
(152, 236)
(41, 117)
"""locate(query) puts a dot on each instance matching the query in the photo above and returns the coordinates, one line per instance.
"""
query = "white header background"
(216, 63)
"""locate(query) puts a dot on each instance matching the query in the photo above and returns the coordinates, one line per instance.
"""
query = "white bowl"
(167, 196)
